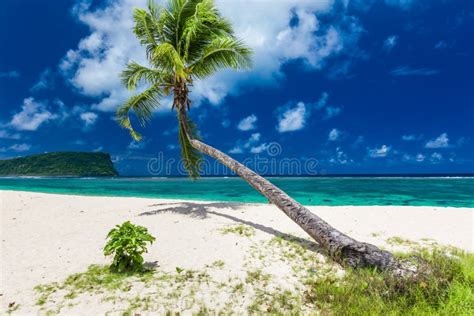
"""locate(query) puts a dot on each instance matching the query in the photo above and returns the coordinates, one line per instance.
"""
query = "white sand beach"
(46, 237)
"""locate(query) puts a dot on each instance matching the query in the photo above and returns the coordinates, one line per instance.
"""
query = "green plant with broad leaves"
(127, 243)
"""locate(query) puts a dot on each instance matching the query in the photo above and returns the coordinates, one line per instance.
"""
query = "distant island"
(60, 164)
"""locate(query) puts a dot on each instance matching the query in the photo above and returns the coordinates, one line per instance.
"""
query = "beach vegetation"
(241, 230)
(316, 287)
(127, 243)
(446, 289)
(399, 241)
(218, 264)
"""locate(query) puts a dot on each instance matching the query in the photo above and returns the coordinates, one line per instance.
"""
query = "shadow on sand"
(203, 210)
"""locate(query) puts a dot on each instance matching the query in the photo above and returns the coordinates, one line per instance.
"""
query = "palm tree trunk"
(336, 244)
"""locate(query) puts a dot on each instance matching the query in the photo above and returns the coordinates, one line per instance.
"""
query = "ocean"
(426, 191)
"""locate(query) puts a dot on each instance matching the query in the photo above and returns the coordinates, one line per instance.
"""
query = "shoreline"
(227, 201)
(47, 237)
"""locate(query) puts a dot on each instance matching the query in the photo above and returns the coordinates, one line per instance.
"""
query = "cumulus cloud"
(259, 149)
(329, 110)
(16, 148)
(436, 157)
(340, 157)
(93, 67)
(254, 138)
(292, 119)
(390, 43)
(251, 145)
(379, 152)
(236, 150)
(420, 157)
(334, 135)
(32, 115)
(8, 135)
(442, 141)
(89, 118)
(409, 71)
(248, 123)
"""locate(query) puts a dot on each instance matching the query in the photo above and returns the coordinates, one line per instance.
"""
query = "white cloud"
(323, 100)
(250, 143)
(409, 71)
(46, 81)
(7, 135)
(248, 123)
(89, 118)
(16, 148)
(134, 145)
(254, 138)
(436, 157)
(94, 66)
(379, 152)
(9, 74)
(390, 42)
(32, 115)
(442, 141)
(259, 149)
(340, 157)
(292, 119)
(332, 111)
(420, 157)
(236, 150)
(411, 137)
(334, 135)
(100, 148)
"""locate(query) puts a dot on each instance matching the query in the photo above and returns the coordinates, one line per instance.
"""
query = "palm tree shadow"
(203, 210)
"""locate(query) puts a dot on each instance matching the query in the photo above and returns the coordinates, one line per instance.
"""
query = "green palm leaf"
(184, 40)
(222, 52)
(142, 105)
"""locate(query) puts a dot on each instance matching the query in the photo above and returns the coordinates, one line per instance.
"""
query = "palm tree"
(188, 40)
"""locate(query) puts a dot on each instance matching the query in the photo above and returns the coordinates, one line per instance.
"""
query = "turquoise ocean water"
(454, 192)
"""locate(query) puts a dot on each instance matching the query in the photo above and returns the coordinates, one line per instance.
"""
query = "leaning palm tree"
(188, 40)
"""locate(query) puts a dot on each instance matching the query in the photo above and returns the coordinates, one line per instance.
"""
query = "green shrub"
(127, 242)
(448, 289)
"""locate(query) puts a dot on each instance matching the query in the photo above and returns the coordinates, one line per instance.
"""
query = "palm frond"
(166, 57)
(191, 157)
(201, 28)
(142, 105)
(146, 29)
(136, 73)
(222, 52)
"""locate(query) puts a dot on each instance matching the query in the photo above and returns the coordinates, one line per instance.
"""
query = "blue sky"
(360, 86)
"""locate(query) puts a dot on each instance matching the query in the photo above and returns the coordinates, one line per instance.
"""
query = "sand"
(47, 237)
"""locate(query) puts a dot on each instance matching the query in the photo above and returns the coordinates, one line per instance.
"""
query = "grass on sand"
(447, 290)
